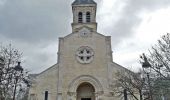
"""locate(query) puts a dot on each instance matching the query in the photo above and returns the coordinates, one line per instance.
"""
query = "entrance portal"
(85, 98)
(85, 91)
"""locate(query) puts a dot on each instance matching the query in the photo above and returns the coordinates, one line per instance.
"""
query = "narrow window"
(88, 17)
(46, 95)
(80, 17)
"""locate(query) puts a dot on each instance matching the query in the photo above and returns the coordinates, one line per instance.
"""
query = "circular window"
(85, 55)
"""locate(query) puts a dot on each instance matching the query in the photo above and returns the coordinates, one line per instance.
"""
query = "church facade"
(85, 69)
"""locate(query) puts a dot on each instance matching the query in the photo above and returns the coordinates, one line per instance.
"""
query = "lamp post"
(160, 79)
(125, 94)
(146, 65)
(19, 71)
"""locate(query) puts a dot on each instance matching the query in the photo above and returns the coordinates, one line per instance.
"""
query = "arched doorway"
(85, 91)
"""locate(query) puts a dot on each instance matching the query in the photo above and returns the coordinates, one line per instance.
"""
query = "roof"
(78, 2)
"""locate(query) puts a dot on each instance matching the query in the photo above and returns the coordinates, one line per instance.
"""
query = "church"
(85, 69)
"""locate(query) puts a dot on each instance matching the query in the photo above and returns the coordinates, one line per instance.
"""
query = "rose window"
(85, 55)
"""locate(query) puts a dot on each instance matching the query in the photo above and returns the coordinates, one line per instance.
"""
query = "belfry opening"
(85, 91)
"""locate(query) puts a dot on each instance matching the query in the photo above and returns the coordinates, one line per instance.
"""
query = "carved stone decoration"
(85, 55)
(73, 94)
(85, 79)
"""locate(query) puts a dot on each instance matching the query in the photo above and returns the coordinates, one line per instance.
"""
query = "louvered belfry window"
(80, 17)
(88, 17)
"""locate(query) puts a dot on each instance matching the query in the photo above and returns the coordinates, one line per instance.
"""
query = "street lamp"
(19, 71)
(18, 68)
(146, 65)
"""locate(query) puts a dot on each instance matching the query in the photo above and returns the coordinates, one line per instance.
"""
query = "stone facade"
(85, 69)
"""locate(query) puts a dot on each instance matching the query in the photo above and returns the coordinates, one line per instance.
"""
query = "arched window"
(88, 17)
(80, 17)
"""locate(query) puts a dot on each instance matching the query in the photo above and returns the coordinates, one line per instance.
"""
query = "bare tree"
(12, 75)
(131, 82)
(159, 70)
(159, 57)
(159, 81)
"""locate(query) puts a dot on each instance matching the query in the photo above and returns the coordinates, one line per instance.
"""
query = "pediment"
(84, 28)
(84, 32)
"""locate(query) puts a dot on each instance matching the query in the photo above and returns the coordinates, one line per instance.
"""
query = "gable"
(47, 72)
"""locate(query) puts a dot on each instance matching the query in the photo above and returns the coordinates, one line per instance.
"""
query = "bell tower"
(84, 15)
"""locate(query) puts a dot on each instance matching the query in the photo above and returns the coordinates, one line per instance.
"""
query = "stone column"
(60, 70)
(96, 96)
(59, 96)
(84, 17)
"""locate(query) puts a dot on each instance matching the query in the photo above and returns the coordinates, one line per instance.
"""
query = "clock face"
(85, 55)
(85, 32)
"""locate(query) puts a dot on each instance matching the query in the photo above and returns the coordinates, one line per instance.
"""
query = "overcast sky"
(34, 26)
